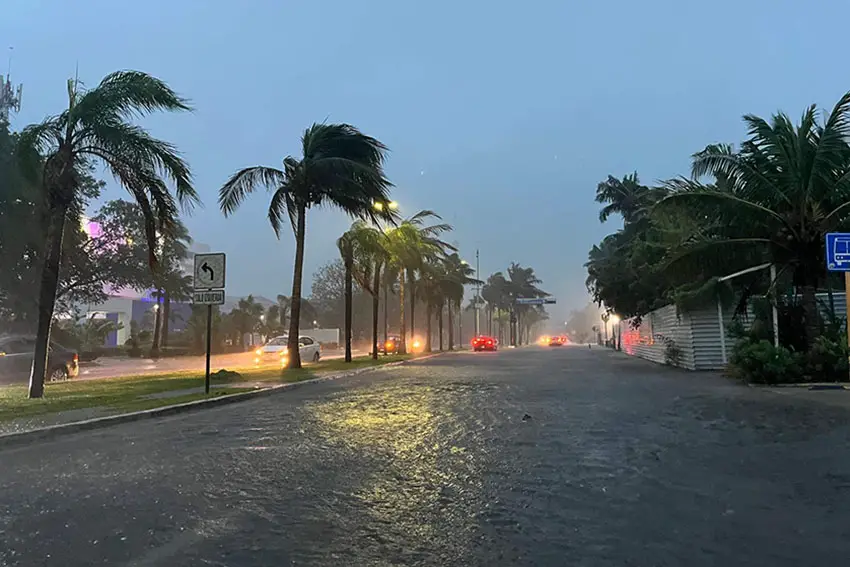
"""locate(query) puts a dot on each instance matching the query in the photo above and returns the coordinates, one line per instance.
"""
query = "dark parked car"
(16, 355)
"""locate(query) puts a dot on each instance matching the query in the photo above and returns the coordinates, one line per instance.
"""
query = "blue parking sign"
(838, 251)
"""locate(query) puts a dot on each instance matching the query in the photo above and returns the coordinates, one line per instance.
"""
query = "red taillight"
(490, 343)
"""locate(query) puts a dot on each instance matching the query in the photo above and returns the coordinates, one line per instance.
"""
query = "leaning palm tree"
(774, 199)
(97, 126)
(340, 167)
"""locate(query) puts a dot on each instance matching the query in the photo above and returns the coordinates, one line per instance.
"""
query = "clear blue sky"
(502, 116)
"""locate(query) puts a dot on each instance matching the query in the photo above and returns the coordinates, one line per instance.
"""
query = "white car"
(275, 349)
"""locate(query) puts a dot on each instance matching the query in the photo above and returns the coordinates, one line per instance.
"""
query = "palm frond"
(128, 94)
(132, 143)
(246, 181)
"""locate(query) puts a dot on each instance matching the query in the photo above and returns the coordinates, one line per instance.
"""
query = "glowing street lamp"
(379, 206)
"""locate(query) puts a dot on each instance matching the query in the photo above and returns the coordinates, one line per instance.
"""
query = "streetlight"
(315, 324)
(379, 206)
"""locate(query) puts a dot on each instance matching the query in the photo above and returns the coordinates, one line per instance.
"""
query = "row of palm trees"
(499, 293)
(339, 167)
(412, 254)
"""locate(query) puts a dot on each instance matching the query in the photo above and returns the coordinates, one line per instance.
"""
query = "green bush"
(760, 362)
(827, 360)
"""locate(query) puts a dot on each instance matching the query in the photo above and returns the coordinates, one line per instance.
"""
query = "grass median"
(136, 393)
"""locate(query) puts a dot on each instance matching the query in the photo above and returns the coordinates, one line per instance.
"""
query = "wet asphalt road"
(621, 463)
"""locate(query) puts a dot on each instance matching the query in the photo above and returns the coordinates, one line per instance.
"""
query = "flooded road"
(528, 457)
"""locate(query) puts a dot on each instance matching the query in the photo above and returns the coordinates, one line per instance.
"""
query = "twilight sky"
(501, 116)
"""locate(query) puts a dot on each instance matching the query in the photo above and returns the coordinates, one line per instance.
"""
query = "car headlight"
(259, 352)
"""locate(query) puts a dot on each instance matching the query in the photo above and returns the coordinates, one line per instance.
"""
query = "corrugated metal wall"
(656, 331)
(695, 333)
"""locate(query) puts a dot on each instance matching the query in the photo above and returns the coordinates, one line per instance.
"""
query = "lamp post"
(477, 294)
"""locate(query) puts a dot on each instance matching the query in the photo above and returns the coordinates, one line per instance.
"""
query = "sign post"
(838, 260)
(209, 283)
(526, 301)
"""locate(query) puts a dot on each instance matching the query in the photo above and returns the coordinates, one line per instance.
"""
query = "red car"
(557, 341)
(484, 343)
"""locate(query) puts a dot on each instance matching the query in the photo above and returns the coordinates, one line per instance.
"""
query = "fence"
(694, 340)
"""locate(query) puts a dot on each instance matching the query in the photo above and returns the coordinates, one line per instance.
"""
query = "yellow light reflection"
(398, 425)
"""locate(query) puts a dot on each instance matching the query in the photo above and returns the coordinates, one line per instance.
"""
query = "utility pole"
(477, 294)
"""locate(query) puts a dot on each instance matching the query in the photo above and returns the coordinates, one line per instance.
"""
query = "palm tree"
(626, 197)
(96, 126)
(411, 244)
(340, 167)
(775, 198)
(369, 255)
(457, 275)
(522, 282)
(169, 280)
(345, 243)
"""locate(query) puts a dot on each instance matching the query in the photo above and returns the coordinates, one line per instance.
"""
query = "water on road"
(529, 457)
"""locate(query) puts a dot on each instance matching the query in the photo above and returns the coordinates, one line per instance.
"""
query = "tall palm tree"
(457, 275)
(97, 126)
(411, 244)
(775, 198)
(169, 281)
(369, 255)
(624, 196)
(340, 167)
(522, 282)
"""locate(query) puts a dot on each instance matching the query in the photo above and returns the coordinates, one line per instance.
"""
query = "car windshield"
(278, 341)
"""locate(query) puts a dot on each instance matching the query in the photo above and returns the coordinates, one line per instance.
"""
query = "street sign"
(534, 301)
(838, 251)
(209, 271)
(210, 297)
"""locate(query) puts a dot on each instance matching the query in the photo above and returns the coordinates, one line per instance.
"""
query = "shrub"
(760, 362)
(672, 352)
(827, 360)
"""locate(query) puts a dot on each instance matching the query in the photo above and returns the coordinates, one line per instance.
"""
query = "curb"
(52, 431)
(802, 386)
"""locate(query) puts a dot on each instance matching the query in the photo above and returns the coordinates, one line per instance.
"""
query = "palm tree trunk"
(428, 316)
(297, 277)
(402, 349)
(811, 322)
(166, 316)
(412, 287)
(386, 311)
(451, 327)
(47, 298)
(489, 320)
(440, 325)
(376, 289)
(349, 260)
